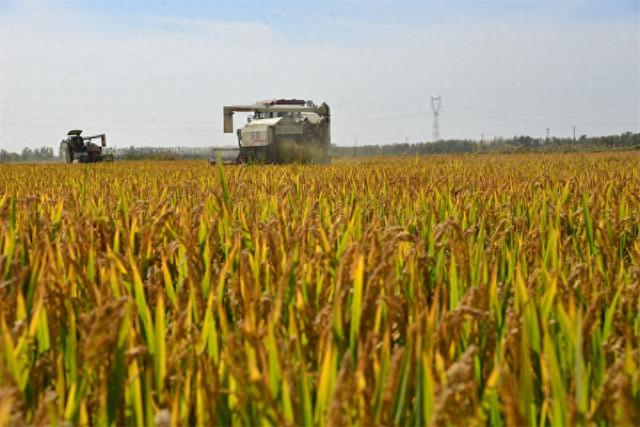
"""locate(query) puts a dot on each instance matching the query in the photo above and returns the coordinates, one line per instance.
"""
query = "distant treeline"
(44, 154)
(47, 154)
(627, 140)
(499, 145)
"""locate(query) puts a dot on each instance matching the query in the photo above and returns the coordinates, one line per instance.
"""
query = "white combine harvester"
(279, 131)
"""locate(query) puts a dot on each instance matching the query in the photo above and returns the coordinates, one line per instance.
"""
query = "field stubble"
(452, 289)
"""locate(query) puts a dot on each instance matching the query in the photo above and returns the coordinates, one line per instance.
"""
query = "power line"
(543, 115)
(373, 113)
(115, 128)
(538, 119)
(422, 113)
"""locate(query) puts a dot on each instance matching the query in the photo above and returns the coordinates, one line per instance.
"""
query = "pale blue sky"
(158, 73)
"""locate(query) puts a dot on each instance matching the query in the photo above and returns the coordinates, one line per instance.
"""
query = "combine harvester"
(279, 131)
(78, 149)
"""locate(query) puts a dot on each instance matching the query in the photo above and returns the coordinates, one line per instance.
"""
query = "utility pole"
(436, 104)
(574, 134)
(547, 134)
(482, 138)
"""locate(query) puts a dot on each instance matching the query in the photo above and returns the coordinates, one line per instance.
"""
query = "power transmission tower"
(548, 134)
(436, 104)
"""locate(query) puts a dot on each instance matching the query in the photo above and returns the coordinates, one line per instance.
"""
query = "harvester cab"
(76, 148)
(281, 131)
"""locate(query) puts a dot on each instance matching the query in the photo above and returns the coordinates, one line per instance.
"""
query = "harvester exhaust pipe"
(102, 136)
(228, 120)
(228, 114)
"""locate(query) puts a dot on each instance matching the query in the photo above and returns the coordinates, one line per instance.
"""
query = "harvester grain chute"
(80, 149)
(279, 131)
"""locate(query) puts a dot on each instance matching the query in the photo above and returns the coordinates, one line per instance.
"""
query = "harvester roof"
(271, 102)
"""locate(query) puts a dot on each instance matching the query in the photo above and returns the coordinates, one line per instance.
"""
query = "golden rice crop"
(499, 289)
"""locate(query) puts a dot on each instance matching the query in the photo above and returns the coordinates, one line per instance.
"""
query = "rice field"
(446, 290)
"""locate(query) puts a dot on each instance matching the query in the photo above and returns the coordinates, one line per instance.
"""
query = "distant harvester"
(78, 149)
